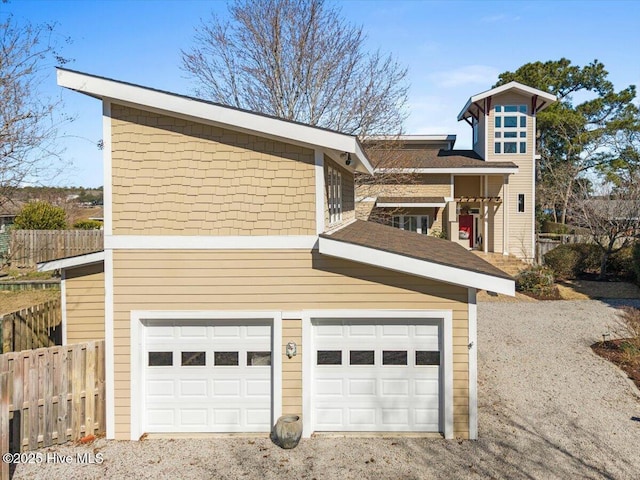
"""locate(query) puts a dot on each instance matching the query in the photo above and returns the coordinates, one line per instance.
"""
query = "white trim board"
(137, 350)
(456, 170)
(71, 262)
(412, 205)
(197, 110)
(414, 266)
(473, 363)
(446, 318)
(212, 242)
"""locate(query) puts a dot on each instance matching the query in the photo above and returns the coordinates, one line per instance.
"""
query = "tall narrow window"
(510, 129)
(521, 203)
(475, 131)
(334, 195)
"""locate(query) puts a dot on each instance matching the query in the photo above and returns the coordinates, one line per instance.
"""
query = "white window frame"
(519, 130)
(475, 131)
(419, 218)
(524, 204)
(334, 195)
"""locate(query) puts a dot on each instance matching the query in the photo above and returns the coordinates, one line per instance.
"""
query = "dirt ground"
(12, 301)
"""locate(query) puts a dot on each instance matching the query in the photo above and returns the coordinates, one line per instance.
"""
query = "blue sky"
(454, 49)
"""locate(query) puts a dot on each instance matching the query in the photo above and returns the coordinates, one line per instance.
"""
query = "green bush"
(41, 216)
(570, 260)
(87, 225)
(621, 263)
(538, 281)
(549, 226)
(563, 261)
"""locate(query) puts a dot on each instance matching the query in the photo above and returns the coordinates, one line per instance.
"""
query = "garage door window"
(160, 359)
(361, 357)
(394, 357)
(258, 358)
(329, 357)
(225, 359)
(194, 359)
(427, 358)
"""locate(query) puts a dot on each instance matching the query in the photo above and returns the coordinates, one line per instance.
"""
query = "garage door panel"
(376, 375)
(219, 379)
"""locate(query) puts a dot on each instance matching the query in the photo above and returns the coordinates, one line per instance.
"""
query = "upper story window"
(510, 129)
(334, 191)
(475, 131)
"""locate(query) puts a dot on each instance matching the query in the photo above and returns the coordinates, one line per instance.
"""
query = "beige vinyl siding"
(292, 368)
(521, 225)
(417, 185)
(84, 288)
(272, 280)
(176, 177)
(467, 186)
(482, 128)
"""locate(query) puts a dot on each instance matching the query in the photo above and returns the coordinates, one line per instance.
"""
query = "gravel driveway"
(548, 408)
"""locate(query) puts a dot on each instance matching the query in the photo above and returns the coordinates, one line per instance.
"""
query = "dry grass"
(583, 289)
(12, 301)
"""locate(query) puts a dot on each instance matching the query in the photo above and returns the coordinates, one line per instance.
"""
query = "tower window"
(510, 123)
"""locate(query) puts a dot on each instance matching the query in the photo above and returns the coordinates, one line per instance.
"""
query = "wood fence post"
(4, 422)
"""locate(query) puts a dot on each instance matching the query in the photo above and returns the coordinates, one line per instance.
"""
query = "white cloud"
(468, 75)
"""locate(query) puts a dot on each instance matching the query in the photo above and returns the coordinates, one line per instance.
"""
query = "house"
(238, 285)
(482, 198)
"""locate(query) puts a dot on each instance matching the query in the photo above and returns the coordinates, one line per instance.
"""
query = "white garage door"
(207, 376)
(381, 375)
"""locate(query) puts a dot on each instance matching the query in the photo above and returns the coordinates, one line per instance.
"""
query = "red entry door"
(466, 225)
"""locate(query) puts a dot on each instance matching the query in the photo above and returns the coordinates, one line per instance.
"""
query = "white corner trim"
(136, 317)
(63, 304)
(446, 317)
(212, 113)
(180, 242)
(414, 266)
(320, 189)
(107, 167)
(410, 205)
(71, 262)
(457, 170)
(109, 356)
(473, 364)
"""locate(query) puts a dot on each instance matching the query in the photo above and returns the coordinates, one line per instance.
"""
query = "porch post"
(485, 215)
(505, 215)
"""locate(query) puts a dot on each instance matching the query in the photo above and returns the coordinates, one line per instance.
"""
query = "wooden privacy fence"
(54, 395)
(33, 327)
(28, 247)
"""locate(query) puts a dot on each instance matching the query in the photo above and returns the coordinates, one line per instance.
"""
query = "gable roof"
(334, 143)
(432, 160)
(408, 252)
(543, 99)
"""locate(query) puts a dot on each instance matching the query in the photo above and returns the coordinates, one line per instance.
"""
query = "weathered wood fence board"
(51, 395)
(34, 327)
(28, 247)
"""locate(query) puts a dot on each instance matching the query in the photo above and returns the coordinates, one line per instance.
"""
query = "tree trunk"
(603, 264)
(565, 206)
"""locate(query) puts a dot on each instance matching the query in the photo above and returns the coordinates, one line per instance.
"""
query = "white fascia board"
(503, 88)
(458, 171)
(414, 266)
(411, 205)
(414, 138)
(71, 262)
(179, 242)
(257, 124)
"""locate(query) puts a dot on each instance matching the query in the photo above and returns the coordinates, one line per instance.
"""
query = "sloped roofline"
(71, 262)
(334, 143)
(517, 86)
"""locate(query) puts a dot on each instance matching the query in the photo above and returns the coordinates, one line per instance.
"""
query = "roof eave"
(421, 268)
(214, 114)
(71, 262)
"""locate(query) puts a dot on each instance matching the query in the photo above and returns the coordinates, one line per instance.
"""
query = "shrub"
(87, 225)
(41, 216)
(564, 261)
(570, 260)
(621, 263)
(538, 281)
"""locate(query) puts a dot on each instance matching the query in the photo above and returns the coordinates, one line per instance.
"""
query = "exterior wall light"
(292, 349)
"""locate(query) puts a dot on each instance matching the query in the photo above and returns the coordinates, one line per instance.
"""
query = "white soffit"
(202, 111)
(70, 262)
(414, 266)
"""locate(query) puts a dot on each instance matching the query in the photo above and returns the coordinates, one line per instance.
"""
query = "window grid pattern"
(335, 195)
(412, 223)
(510, 129)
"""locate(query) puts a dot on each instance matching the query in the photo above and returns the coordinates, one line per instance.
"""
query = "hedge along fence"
(33, 327)
(28, 247)
(51, 396)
